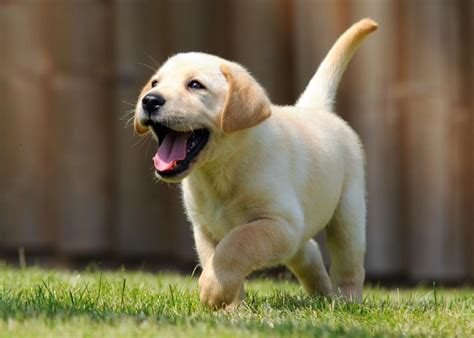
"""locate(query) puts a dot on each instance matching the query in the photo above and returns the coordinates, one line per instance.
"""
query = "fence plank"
(427, 144)
(150, 217)
(266, 51)
(316, 28)
(463, 201)
(82, 110)
(24, 158)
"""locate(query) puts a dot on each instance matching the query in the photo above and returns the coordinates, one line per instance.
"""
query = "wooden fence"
(75, 182)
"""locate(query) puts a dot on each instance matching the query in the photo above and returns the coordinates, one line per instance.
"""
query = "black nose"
(152, 102)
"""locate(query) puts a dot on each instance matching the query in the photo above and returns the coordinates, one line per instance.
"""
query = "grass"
(42, 303)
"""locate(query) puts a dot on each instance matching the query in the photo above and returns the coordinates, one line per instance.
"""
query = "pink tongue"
(171, 150)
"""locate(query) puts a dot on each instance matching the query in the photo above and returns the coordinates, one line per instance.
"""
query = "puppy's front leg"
(205, 245)
(249, 247)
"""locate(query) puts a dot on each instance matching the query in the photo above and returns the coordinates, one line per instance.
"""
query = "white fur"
(257, 196)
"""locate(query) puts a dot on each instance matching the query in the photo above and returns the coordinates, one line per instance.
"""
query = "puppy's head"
(193, 101)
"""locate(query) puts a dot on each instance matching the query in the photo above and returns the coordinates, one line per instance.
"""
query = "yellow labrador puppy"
(260, 181)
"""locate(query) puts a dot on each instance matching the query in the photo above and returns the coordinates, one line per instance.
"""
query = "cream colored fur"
(271, 177)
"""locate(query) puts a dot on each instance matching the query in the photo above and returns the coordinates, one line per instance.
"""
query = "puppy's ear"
(139, 128)
(246, 103)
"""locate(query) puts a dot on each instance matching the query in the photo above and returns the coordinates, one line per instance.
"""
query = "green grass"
(43, 303)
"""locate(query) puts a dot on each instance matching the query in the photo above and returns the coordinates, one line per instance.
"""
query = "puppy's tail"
(321, 90)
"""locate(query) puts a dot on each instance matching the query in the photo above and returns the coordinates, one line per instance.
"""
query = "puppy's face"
(190, 104)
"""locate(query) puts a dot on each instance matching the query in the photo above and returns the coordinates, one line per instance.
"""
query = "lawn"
(43, 303)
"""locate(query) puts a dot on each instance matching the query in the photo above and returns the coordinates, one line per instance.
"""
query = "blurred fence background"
(75, 183)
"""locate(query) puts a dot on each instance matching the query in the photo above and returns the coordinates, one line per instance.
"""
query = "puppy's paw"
(218, 290)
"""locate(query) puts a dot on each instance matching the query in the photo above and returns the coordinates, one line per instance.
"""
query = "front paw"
(219, 289)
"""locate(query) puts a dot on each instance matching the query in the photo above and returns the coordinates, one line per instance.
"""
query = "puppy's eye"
(194, 84)
(154, 83)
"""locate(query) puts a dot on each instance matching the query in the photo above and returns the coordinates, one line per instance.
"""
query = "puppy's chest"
(219, 216)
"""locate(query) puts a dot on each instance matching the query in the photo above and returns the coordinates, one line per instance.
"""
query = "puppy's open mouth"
(176, 149)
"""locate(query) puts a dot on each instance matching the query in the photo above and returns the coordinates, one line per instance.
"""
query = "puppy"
(259, 181)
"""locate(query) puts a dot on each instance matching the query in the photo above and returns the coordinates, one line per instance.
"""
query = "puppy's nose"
(152, 102)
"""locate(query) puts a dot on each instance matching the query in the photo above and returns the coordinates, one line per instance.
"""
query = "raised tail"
(322, 88)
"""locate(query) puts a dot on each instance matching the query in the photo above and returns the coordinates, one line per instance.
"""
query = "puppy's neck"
(223, 170)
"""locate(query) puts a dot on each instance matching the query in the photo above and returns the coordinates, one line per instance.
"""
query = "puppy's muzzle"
(151, 104)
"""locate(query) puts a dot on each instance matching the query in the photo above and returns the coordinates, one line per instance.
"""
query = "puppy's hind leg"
(308, 266)
(346, 243)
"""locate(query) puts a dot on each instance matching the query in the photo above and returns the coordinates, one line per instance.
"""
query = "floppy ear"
(139, 128)
(246, 103)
